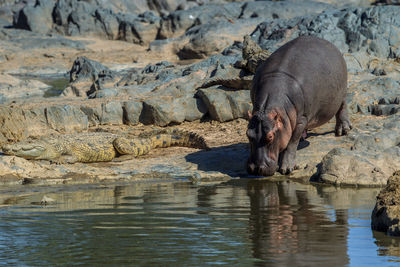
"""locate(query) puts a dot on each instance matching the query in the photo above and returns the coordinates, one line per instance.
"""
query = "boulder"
(109, 112)
(225, 105)
(165, 110)
(36, 18)
(386, 214)
(88, 76)
(66, 118)
(371, 158)
(373, 30)
(131, 112)
(141, 29)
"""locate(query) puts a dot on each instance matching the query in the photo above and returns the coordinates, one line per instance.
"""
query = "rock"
(111, 113)
(14, 89)
(95, 18)
(66, 118)
(180, 21)
(141, 29)
(225, 105)
(370, 160)
(386, 214)
(209, 39)
(88, 76)
(37, 18)
(13, 125)
(103, 113)
(373, 96)
(209, 29)
(165, 6)
(387, 2)
(351, 30)
(384, 109)
(281, 9)
(165, 110)
(131, 112)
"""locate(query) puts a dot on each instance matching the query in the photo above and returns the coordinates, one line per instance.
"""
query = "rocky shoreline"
(136, 66)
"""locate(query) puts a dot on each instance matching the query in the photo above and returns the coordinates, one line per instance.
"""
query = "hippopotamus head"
(269, 133)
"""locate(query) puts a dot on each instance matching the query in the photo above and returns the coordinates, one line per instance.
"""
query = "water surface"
(242, 223)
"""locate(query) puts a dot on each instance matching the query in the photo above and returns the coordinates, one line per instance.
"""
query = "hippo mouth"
(267, 168)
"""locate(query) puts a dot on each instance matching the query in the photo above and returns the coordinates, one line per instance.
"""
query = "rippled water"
(242, 223)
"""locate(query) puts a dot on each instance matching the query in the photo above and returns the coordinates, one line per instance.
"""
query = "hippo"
(302, 85)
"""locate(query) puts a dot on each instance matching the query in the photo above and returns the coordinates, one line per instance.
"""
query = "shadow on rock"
(229, 160)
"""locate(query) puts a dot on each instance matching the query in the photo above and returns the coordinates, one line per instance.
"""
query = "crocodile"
(100, 146)
(253, 55)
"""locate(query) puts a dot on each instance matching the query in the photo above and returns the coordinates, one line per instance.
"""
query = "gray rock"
(111, 113)
(141, 29)
(384, 109)
(131, 112)
(281, 9)
(225, 105)
(371, 30)
(212, 38)
(209, 29)
(103, 113)
(36, 18)
(89, 76)
(370, 161)
(163, 111)
(373, 96)
(92, 113)
(96, 18)
(180, 21)
(66, 118)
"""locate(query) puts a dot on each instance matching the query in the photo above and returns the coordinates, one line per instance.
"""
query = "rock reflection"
(387, 246)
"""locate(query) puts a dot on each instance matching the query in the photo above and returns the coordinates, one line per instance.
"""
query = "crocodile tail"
(177, 137)
(158, 138)
(134, 146)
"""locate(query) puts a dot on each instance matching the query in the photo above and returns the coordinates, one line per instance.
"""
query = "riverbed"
(241, 222)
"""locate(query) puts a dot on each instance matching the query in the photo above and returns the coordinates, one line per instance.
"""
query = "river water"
(244, 222)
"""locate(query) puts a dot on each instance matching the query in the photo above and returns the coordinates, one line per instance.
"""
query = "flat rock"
(371, 158)
(12, 88)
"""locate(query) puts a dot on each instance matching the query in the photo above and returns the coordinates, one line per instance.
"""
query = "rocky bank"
(385, 216)
(133, 66)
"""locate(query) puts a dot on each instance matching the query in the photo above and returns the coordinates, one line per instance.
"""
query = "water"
(57, 83)
(57, 86)
(241, 223)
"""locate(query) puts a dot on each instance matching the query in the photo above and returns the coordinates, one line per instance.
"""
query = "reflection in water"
(283, 223)
(245, 222)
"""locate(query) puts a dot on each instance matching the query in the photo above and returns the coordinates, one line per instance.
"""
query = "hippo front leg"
(288, 156)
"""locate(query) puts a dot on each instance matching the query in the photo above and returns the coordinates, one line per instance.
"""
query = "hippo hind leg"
(343, 125)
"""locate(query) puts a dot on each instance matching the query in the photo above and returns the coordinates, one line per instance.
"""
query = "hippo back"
(319, 70)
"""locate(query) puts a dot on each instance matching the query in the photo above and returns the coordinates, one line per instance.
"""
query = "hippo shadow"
(230, 159)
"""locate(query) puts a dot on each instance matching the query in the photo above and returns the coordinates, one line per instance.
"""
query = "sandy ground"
(114, 54)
